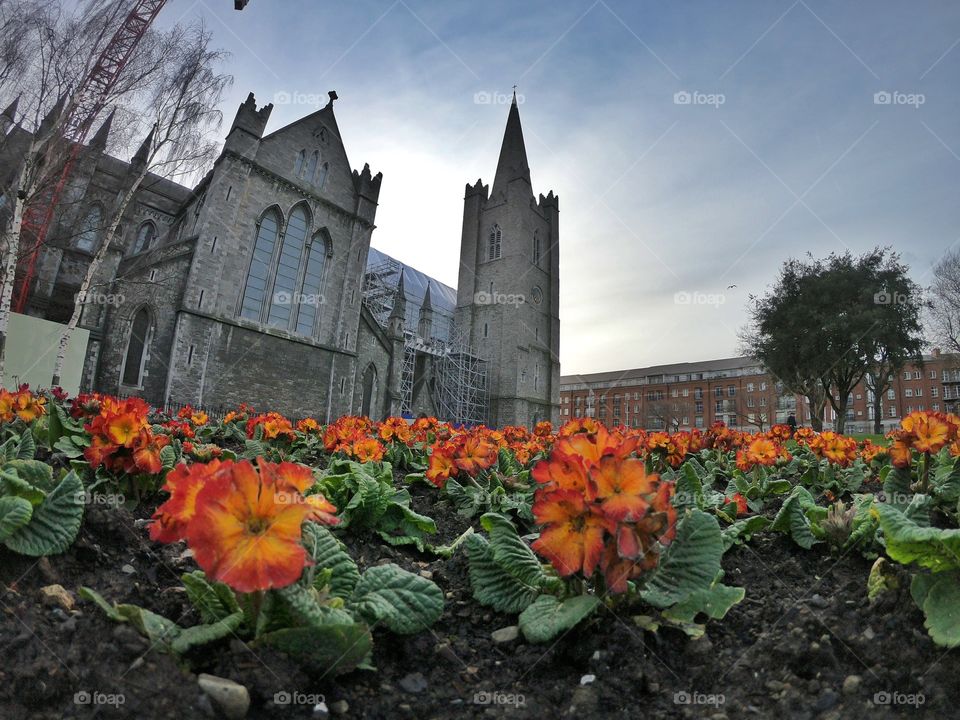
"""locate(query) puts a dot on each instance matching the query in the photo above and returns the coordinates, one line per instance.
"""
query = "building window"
(536, 248)
(288, 269)
(312, 165)
(145, 237)
(321, 175)
(87, 238)
(731, 390)
(891, 395)
(908, 392)
(934, 392)
(140, 333)
(318, 250)
(298, 165)
(255, 291)
(495, 249)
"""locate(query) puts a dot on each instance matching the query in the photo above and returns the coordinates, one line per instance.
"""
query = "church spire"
(513, 153)
(99, 141)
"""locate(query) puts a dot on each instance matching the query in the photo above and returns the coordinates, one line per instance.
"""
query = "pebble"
(587, 679)
(851, 684)
(426, 574)
(869, 634)
(826, 701)
(584, 701)
(413, 683)
(232, 698)
(818, 601)
(57, 595)
(506, 634)
(340, 707)
(321, 711)
(596, 655)
(128, 569)
(445, 651)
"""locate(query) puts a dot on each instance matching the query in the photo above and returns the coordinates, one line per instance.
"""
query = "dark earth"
(805, 643)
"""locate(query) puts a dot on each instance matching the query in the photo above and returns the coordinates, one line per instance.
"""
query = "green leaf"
(938, 596)
(896, 487)
(168, 457)
(548, 616)
(68, 447)
(12, 484)
(793, 519)
(504, 572)
(404, 602)
(197, 635)
(214, 601)
(946, 481)
(329, 553)
(907, 541)
(689, 564)
(323, 650)
(715, 602)
(27, 448)
(55, 521)
(881, 579)
(109, 610)
(742, 530)
(689, 490)
(155, 627)
(36, 472)
(510, 551)
(15, 512)
(55, 425)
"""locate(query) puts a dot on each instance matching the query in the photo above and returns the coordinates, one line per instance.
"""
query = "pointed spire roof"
(143, 154)
(427, 305)
(513, 153)
(399, 309)
(11, 112)
(51, 118)
(99, 140)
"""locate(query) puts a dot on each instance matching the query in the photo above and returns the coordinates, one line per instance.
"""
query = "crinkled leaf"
(404, 602)
(27, 447)
(793, 518)
(689, 564)
(329, 553)
(906, 541)
(715, 602)
(36, 472)
(324, 650)
(548, 616)
(68, 447)
(938, 595)
(15, 512)
(214, 601)
(12, 484)
(55, 521)
(742, 530)
(109, 610)
(510, 551)
(197, 635)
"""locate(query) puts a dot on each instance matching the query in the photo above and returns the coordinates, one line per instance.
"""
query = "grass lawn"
(878, 439)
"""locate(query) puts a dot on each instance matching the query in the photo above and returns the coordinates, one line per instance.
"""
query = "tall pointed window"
(317, 251)
(288, 269)
(255, 290)
(145, 237)
(140, 334)
(312, 165)
(321, 177)
(87, 238)
(494, 250)
(298, 165)
(536, 248)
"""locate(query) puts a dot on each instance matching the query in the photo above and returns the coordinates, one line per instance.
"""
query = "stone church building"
(259, 285)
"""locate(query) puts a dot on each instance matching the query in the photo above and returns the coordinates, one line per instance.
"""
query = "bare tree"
(184, 101)
(944, 302)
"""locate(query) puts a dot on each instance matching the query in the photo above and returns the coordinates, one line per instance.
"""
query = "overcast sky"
(694, 145)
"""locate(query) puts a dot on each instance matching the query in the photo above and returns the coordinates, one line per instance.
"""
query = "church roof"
(443, 298)
(512, 164)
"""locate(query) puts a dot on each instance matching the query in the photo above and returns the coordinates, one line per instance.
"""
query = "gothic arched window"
(88, 237)
(312, 165)
(255, 290)
(318, 249)
(321, 176)
(495, 250)
(298, 165)
(536, 248)
(288, 269)
(145, 237)
(141, 332)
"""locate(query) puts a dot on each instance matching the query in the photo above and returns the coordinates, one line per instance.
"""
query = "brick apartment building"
(739, 392)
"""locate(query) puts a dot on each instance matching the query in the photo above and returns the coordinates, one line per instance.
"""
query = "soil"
(804, 644)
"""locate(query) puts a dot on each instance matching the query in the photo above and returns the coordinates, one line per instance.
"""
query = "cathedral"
(259, 285)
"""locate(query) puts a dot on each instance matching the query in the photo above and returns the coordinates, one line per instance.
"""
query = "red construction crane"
(86, 104)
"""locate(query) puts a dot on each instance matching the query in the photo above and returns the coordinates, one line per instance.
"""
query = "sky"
(695, 146)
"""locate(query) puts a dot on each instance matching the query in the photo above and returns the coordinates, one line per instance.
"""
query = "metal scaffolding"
(380, 288)
(461, 386)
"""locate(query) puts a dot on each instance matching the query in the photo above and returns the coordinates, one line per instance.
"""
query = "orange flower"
(291, 482)
(621, 486)
(930, 433)
(184, 484)
(367, 450)
(123, 429)
(440, 465)
(573, 538)
(146, 451)
(244, 534)
(395, 428)
(561, 471)
(836, 448)
(476, 454)
(308, 425)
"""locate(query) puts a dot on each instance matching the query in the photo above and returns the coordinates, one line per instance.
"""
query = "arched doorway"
(369, 390)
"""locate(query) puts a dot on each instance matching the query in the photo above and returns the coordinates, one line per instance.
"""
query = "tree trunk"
(11, 245)
(877, 412)
(95, 264)
(817, 404)
(841, 411)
